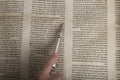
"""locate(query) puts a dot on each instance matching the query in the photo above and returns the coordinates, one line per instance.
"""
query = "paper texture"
(89, 48)
(117, 23)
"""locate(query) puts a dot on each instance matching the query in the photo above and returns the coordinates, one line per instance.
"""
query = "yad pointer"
(58, 43)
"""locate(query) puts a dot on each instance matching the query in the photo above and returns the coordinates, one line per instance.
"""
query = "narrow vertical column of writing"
(47, 16)
(89, 42)
(117, 23)
(11, 25)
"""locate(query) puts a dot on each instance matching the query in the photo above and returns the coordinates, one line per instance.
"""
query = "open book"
(89, 49)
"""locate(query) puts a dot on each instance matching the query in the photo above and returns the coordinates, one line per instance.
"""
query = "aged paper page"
(28, 34)
(90, 40)
(89, 49)
(11, 26)
(46, 17)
